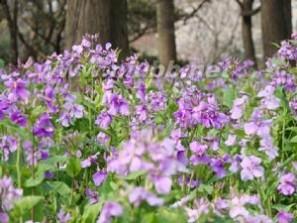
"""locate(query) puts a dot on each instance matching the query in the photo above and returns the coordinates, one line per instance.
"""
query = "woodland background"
(199, 31)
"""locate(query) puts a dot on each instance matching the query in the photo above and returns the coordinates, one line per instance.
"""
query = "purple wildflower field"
(88, 138)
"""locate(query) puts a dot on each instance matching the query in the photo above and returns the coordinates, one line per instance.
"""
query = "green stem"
(18, 167)
(283, 139)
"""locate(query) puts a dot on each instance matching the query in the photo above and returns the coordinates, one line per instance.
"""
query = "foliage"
(85, 138)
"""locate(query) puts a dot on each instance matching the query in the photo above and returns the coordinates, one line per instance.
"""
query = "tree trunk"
(119, 29)
(276, 18)
(12, 20)
(247, 33)
(87, 16)
(105, 17)
(166, 31)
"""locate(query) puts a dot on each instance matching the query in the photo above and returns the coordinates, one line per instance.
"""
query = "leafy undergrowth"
(85, 138)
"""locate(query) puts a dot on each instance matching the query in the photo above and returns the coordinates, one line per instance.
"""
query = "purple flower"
(71, 111)
(141, 92)
(117, 105)
(65, 119)
(162, 184)
(8, 144)
(188, 182)
(157, 101)
(288, 51)
(92, 196)
(63, 217)
(287, 184)
(285, 217)
(201, 207)
(43, 127)
(235, 163)
(4, 218)
(49, 175)
(208, 115)
(139, 194)
(141, 112)
(267, 146)
(293, 106)
(77, 49)
(217, 166)
(18, 90)
(103, 138)
(109, 210)
(237, 208)
(183, 118)
(89, 161)
(221, 205)
(231, 140)
(182, 157)
(258, 126)
(86, 42)
(269, 101)
(284, 79)
(4, 107)
(8, 194)
(257, 219)
(251, 168)
(238, 107)
(99, 177)
(242, 69)
(197, 148)
(198, 153)
(49, 98)
(18, 118)
(33, 155)
(128, 159)
(103, 120)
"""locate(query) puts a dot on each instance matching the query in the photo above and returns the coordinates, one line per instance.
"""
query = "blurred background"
(183, 31)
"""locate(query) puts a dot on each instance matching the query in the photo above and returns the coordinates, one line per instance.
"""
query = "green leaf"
(73, 167)
(33, 182)
(294, 139)
(229, 95)
(25, 204)
(134, 175)
(171, 215)
(91, 212)
(203, 188)
(60, 188)
(2, 63)
(37, 111)
(149, 218)
(54, 162)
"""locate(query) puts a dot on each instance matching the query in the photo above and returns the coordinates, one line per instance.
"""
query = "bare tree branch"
(194, 11)
(251, 13)
(240, 4)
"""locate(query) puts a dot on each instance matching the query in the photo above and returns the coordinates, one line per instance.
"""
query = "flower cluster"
(88, 138)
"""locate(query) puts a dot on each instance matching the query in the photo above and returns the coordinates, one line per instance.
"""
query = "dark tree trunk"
(12, 20)
(119, 29)
(105, 17)
(276, 24)
(247, 33)
(87, 16)
(166, 31)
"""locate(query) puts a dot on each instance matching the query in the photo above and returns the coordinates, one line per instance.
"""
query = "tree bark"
(12, 20)
(166, 31)
(105, 17)
(87, 16)
(247, 33)
(276, 18)
(119, 29)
